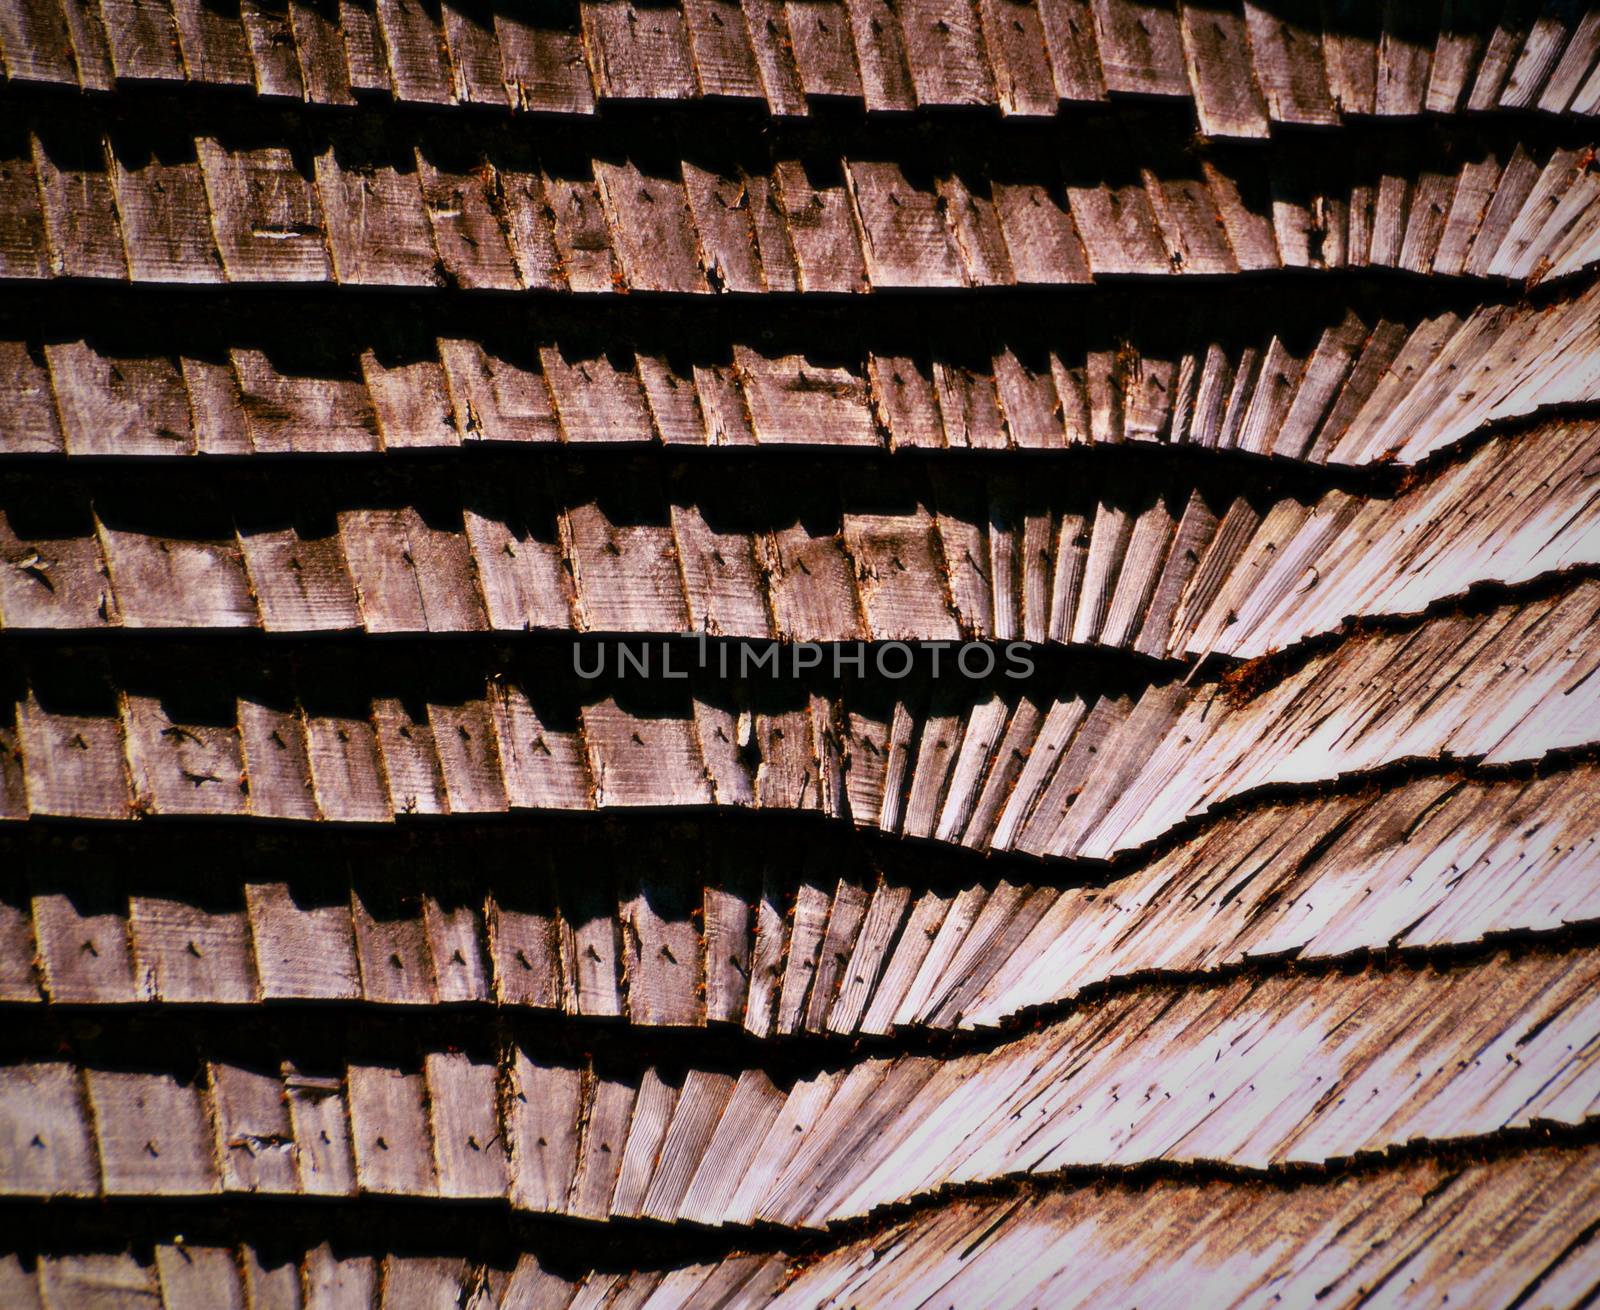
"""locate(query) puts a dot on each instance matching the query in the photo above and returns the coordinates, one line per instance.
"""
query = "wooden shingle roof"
(1222, 377)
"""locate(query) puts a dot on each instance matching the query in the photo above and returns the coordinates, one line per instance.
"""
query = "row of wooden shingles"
(1421, 864)
(203, 1275)
(1244, 65)
(1424, 1228)
(1072, 1247)
(1076, 776)
(1510, 684)
(776, 950)
(1510, 513)
(1164, 574)
(568, 942)
(1396, 391)
(1250, 1073)
(375, 210)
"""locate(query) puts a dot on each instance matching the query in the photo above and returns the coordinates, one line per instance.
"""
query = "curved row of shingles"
(1244, 65)
(176, 197)
(909, 554)
(296, 737)
(817, 941)
(1365, 1230)
(1353, 394)
(1328, 1242)
(1511, 1232)
(1252, 1074)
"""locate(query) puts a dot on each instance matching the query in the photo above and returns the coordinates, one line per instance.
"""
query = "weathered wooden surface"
(1432, 863)
(361, 203)
(1351, 393)
(1157, 571)
(1328, 1243)
(1148, 1074)
(630, 548)
(1243, 65)
(1242, 952)
(1110, 773)
(1414, 1221)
